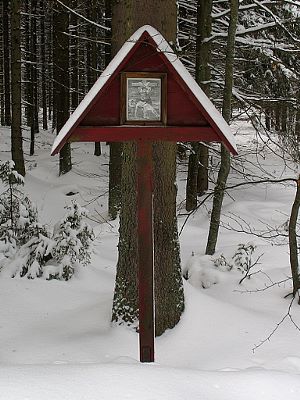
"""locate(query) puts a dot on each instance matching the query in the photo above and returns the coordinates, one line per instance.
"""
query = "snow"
(56, 338)
(153, 382)
(164, 47)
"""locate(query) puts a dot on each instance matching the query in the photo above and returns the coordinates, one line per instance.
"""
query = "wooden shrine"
(145, 94)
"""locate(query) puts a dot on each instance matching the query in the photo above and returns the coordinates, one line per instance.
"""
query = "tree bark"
(34, 125)
(192, 178)
(293, 245)
(125, 303)
(116, 149)
(49, 57)
(16, 127)
(1, 67)
(43, 9)
(27, 68)
(61, 95)
(74, 56)
(168, 287)
(115, 173)
(107, 33)
(226, 111)
(6, 63)
(197, 181)
(128, 16)
(92, 57)
(203, 75)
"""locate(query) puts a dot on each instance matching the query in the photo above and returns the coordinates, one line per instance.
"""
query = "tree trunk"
(203, 75)
(125, 303)
(92, 57)
(6, 63)
(49, 57)
(61, 94)
(27, 67)
(226, 111)
(1, 67)
(192, 178)
(128, 16)
(107, 33)
(268, 117)
(16, 127)
(197, 182)
(169, 296)
(33, 77)
(293, 245)
(74, 56)
(43, 9)
(203, 164)
(115, 173)
(116, 149)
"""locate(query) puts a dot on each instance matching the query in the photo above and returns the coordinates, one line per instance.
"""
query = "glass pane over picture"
(143, 99)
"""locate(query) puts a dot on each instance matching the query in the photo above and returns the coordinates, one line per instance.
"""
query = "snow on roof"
(164, 47)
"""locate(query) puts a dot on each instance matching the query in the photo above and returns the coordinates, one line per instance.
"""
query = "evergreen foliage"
(18, 216)
(72, 238)
(29, 249)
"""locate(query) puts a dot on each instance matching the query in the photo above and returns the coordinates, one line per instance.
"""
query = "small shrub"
(72, 238)
(222, 263)
(243, 257)
(27, 246)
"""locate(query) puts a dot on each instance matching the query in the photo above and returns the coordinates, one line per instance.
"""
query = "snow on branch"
(83, 17)
(242, 31)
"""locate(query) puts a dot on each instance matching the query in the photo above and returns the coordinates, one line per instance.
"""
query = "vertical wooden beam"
(145, 250)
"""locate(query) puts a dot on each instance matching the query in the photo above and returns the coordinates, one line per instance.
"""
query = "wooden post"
(145, 250)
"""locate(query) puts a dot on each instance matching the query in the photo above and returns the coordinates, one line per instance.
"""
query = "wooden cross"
(185, 114)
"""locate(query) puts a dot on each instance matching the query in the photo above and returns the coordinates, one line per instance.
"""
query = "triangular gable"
(212, 115)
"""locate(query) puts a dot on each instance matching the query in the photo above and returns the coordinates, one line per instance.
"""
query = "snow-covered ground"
(56, 338)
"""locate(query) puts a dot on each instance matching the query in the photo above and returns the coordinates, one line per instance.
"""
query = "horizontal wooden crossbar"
(128, 132)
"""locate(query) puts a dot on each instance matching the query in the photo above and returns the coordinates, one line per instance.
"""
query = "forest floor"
(234, 341)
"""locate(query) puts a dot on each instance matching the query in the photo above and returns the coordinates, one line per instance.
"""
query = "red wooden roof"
(191, 116)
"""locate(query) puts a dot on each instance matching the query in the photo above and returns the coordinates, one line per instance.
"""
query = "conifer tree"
(61, 92)
(169, 298)
(16, 77)
(226, 112)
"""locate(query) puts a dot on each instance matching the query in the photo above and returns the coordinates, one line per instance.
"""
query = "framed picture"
(143, 98)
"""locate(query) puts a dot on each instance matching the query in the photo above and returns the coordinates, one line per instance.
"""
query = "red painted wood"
(145, 251)
(106, 110)
(126, 133)
(183, 108)
(129, 132)
(187, 120)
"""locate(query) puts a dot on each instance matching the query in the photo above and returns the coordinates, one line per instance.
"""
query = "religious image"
(143, 99)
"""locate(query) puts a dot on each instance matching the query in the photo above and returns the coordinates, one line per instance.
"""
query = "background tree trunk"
(74, 55)
(34, 124)
(16, 127)
(169, 299)
(294, 261)
(1, 67)
(93, 59)
(27, 67)
(197, 181)
(43, 8)
(115, 149)
(107, 32)
(192, 178)
(115, 173)
(61, 95)
(6, 63)
(203, 75)
(226, 111)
